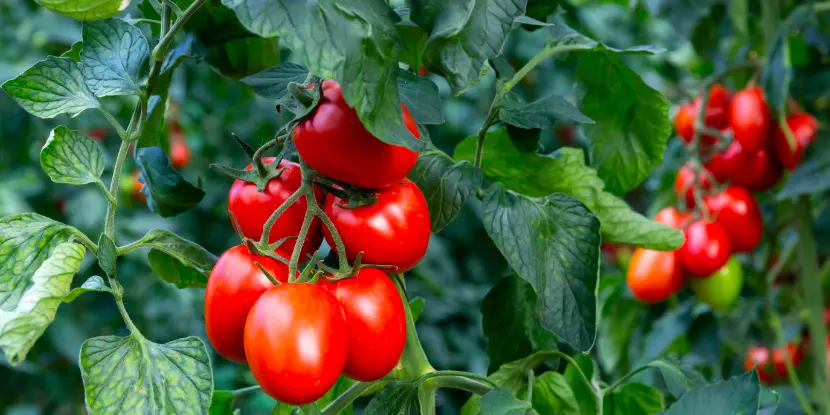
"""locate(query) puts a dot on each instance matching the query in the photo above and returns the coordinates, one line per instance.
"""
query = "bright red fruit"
(393, 231)
(761, 172)
(771, 365)
(672, 217)
(716, 116)
(706, 250)
(729, 163)
(253, 208)
(804, 127)
(296, 342)
(375, 321)
(737, 211)
(180, 153)
(654, 276)
(750, 119)
(334, 142)
(684, 184)
(235, 284)
(684, 122)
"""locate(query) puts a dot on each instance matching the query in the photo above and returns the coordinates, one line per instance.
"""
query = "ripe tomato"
(771, 365)
(253, 208)
(684, 122)
(137, 185)
(706, 250)
(296, 342)
(750, 119)
(672, 217)
(722, 288)
(98, 134)
(334, 142)
(683, 184)
(375, 321)
(716, 116)
(762, 172)
(235, 284)
(393, 231)
(654, 276)
(804, 127)
(728, 164)
(737, 211)
(759, 358)
(180, 153)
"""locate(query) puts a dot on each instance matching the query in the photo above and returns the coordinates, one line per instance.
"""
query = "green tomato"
(722, 288)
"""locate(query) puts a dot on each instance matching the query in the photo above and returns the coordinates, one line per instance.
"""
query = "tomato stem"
(346, 398)
(168, 32)
(413, 363)
(792, 376)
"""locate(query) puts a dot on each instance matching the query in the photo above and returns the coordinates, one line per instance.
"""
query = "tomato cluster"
(299, 336)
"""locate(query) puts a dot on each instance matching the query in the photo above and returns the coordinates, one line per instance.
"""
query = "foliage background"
(461, 264)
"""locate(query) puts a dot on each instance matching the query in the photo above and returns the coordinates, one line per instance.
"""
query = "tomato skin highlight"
(771, 364)
(706, 250)
(721, 289)
(654, 276)
(750, 119)
(334, 142)
(235, 284)
(672, 217)
(736, 210)
(375, 320)
(394, 231)
(253, 208)
(683, 184)
(759, 358)
(803, 127)
(296, 342)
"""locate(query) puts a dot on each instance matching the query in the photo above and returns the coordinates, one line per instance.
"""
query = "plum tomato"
(750, 119)
(736, 210)
(654, 276)
(706, 250)
(803, 127)
(684, 184)
(672, 217)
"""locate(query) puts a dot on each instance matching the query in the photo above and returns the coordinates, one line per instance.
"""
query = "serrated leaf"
(396, 398)
(188, 253)
(113, 53)
(553, 395)
(74, 52)
(272, 83)
(738, 395)
(25, 320)
(107, 255)
(502, 402)
(414, 46)
(52, 87)
(167, 192)
(777, 71)
(463, 35)
(134, 375)
(541, 113)
(446, 185)
(565, 171)
(93, 283)
(420, 96)
(85, 9)
(70, 157)
(634, 399)
(678, 378)
(552, 243)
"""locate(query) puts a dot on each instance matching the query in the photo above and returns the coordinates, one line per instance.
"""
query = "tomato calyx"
(262, 172)
(307, 96)
(355, 196)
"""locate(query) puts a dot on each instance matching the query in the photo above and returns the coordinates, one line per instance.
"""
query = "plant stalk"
(413, 363)
(347, 397)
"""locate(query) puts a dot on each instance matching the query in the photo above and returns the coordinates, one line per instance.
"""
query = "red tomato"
(728, 164)
(375, 321)
(334, 142)
(759, 358)
(670, 216)
(779, 358)
(98, 134)
(750, 119)
(393, 231)
(716, 116)
(296, 342)
(706, 250)
(804, 127)
(737, 211)
(683, 184)
(235, 284)
(654, 276)
(684, 122)
(180, 153)
(136, 187)
(761, 172)
(252, 208)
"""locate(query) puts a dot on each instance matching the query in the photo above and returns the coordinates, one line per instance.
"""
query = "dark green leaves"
(167, 192)
(134, 375)
(221, 403)
(177, 260)
(812, 175)
(541, 113)
(113, 53)
(85, 9)
(777, 71)
(107, 255)
(678, 379)
(397, 398)
(93, 283)
(553, 395)
(446, 185)
(502, 402)
(272, 83)
(23, 321)
(634, 399)
(52, 87)
(420, 95)
(72, 158)
(738, 395)
(552, 243)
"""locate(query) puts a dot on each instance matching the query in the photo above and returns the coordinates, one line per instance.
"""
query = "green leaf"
(414, 46)
(70, 157)
(565, 171)
(738, 395)
(769, 402)
(463, 35)
(52, 87)
(777, 71)
(167, 192)
(502, 402)
(420, 95)
(23, 322)
(541, 113)
(134, 375)
(85, 9)
(812, 174)
(396, 398)
(113, 53)
(74, 52)
(553, 395)
(584, 394)
(188, 253)
(272, 83)
(634, 399)
(446, 185)
(93, 283)
(107, 255)
(525, 140)
(416, 306)
(679, 379)
(189, 47)
(552, 243)
(563, 38)
(508, 322)
(221, 403)
(174, 272)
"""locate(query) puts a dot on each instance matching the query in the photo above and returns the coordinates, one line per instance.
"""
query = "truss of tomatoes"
(298, 338)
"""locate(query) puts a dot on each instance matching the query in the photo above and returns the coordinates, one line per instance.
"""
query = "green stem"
(115, 124)
(426, 397)
(266, 229)
(440, 373)
(111, 200)
(238, 393)
(623, 379)
(536, 60)
(482, 133)
(531, 377)
(413, 363)
(119, 301)
(85, 241)
(458, 382)
(109, 222)
(167, 35)
(346, 399)
(775, 322)
(812, 290)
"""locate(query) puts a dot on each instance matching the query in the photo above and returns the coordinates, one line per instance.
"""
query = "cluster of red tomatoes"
(299, 336)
